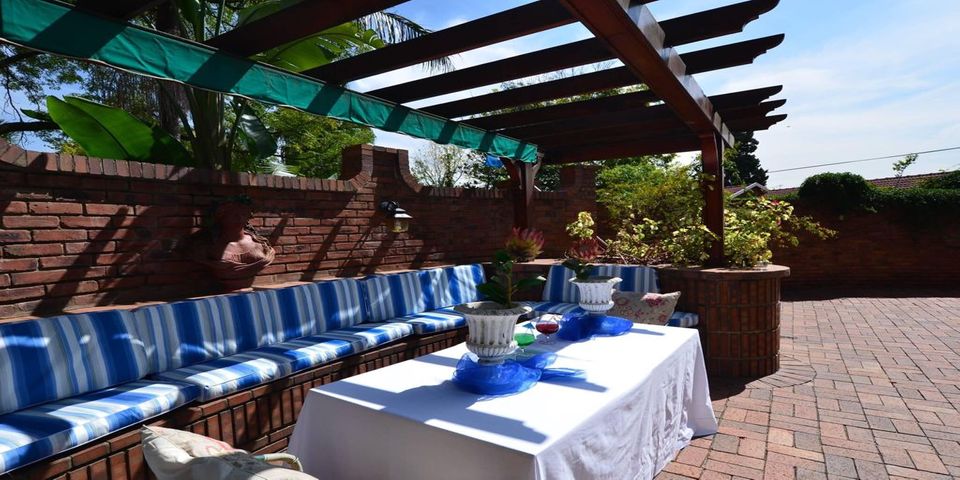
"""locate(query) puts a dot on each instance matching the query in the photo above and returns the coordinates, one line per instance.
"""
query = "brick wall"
(874, 250)
(79, 232)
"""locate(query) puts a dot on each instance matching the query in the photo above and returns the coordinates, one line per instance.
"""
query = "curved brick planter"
(739, 315)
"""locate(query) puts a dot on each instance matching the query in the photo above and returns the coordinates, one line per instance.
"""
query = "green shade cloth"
(62, 30)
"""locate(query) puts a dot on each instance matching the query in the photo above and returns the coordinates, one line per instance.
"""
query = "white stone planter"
(491, 328)
(596, 293)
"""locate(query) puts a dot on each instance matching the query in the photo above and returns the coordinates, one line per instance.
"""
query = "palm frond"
(395, 28)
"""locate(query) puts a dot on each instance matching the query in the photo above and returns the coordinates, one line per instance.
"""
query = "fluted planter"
(596, 293)
(490, 329)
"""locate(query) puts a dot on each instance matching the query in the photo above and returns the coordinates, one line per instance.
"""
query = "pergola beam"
(633, 33)
(702, 60)
(628, 148)
(713, 23)
(295, 22)
(499, 27)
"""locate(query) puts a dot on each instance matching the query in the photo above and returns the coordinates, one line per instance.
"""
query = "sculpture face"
(232, 249)
(233, 216)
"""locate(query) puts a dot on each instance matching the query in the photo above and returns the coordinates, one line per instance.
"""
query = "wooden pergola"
(667, 113)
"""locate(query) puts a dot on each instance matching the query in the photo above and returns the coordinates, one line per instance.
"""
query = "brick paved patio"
(869, 388)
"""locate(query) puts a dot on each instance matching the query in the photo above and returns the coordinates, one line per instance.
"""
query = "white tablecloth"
(644, 397)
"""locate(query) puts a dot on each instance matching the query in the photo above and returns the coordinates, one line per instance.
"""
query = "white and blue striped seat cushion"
(399, 294)
(233, 373)
(678, 319)
(39, 432)
(184, 333)
(318, 307)
(635, 278)
(433, 321)
(54, 358)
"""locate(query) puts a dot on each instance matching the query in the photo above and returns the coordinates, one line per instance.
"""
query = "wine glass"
(547, 326)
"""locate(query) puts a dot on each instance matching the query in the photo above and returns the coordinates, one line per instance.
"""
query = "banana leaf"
(109, 132)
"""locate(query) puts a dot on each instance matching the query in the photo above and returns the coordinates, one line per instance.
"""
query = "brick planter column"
(739, 315)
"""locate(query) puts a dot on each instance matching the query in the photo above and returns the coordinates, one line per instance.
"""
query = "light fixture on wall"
(399, 218)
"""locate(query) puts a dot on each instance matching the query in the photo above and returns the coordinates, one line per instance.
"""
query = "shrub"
(950, 181)
(841, 192)
(666, 194)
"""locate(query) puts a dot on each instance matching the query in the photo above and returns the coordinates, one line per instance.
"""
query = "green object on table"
(524, 339)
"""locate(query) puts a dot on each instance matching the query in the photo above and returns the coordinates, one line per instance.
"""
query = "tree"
(441, 165)
(902, 165)
(220, 131)
(311, 145)
(740, 164)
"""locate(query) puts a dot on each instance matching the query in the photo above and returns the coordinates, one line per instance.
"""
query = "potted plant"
(596, 292)
(525, 245)
(491, 323)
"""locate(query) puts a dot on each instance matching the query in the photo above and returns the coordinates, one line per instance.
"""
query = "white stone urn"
(491, 328)
(596, 293)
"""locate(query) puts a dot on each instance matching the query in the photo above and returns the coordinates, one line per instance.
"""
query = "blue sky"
(862, 78)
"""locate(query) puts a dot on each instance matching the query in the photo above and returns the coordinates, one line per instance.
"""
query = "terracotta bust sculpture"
(230, 247)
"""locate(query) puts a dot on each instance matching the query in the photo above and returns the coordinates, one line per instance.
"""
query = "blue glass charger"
(577, 326)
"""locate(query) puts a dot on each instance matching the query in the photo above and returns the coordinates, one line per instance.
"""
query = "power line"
(865, 160)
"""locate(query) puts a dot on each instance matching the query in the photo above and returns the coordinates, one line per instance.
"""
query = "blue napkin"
(511, 376)
(577, 326)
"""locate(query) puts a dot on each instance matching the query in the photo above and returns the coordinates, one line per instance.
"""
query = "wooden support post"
(711, 147)
(522, 176)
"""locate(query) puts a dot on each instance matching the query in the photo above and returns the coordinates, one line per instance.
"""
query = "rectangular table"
(645, 395)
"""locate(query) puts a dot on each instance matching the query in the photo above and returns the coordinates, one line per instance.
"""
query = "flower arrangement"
(581, 255)
(524, 245)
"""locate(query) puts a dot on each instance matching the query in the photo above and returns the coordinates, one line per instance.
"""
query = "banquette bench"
(74, 389)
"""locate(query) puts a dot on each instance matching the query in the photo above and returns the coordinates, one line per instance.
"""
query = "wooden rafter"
(499, 27)
(626, 148)
(713, 23)
(633, 33)
(700, 61)
(564, 56)
(292, 23)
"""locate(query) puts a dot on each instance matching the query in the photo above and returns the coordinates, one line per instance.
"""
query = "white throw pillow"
(648, 308)
(178, 455)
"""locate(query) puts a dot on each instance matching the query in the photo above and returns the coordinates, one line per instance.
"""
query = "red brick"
(18, 265)
(59, 235)
(12, 294)
(14, 208)
(14, 236)
(30, 222)
(33, 250)
(84, 222)
(55, 208)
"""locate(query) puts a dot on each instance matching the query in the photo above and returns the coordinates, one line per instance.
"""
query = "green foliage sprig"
(502, 287)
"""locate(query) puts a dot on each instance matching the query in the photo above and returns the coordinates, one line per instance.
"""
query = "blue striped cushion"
(59, 357)
(226, 375)
(369, 335)
(185, 333)
(433, 321)
(635, 279)
(399, 294)
(35, 433)
(233, 373)
(684, 319)
(318, 307)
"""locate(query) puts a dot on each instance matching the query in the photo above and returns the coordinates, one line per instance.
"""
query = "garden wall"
(888, 249)
(79, 231)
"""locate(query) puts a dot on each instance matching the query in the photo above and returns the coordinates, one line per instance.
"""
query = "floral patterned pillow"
(649, 308)
(175, 454)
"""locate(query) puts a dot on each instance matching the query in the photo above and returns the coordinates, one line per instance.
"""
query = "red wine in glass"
(547, 327)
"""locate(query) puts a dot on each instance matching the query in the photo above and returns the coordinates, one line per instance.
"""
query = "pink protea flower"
(524, 245)
(585, 250)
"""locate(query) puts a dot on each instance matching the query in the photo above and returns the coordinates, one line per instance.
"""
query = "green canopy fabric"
(60, 29)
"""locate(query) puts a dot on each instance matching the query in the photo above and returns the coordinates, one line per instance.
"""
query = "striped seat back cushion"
(635, 279)
(184, 333)
(318, 307)
(54, 358)
(399, 294)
